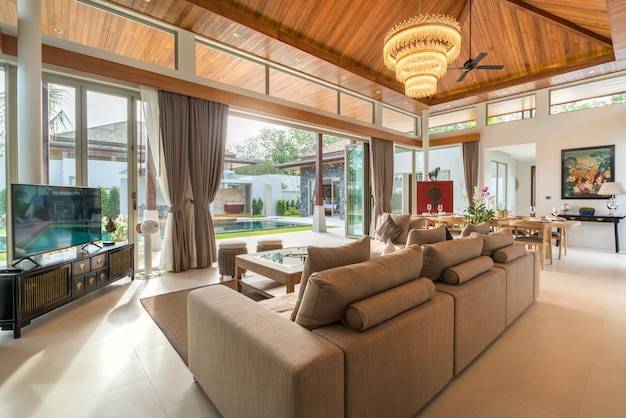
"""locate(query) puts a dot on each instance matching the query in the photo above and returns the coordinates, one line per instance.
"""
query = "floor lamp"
(146, 229)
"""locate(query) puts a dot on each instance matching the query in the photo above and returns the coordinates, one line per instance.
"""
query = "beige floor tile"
(605, 395)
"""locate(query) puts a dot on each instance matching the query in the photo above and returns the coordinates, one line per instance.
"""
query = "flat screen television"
(48, 218)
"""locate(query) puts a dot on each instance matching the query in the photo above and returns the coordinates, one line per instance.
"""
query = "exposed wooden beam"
(555, 20)
(452, 140)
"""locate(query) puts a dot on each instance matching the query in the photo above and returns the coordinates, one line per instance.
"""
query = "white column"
(425, 144)
(29, 113)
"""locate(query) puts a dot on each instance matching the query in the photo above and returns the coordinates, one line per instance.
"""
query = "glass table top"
(294, 256)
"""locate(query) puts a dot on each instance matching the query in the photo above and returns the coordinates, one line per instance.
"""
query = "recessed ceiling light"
(236, 35)
(154, 58)
(343, 77)
(592, 71)
(58, 30)
(298, 60)
(378, 92)
(223, 77)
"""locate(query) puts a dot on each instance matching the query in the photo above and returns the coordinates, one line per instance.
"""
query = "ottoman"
(226, 256)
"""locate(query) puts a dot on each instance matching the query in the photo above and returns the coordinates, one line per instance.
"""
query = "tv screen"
(48, 218)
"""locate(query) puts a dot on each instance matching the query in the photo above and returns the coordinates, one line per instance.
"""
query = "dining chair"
(533, 234)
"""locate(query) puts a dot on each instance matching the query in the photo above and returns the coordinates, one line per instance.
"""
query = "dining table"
(538, 232)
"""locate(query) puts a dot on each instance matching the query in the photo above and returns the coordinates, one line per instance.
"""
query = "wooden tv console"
(31, 293)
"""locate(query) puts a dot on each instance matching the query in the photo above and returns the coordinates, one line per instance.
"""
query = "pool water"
(253, 225)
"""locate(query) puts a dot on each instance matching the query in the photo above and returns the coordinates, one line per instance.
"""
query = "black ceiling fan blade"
(462, 76)
(479, 58)
(490, 67)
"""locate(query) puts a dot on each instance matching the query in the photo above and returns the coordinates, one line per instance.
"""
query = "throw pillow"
(389, 248)
(323, 258)
(329, 292)
(481, 228)
(387, 229)
(440, 256)
(376, 309)
(427, 236)
(467, 270)
(500, 239)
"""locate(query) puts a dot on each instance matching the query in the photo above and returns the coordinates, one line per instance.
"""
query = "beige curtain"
(470, 168)
(174, 121)
(207, 141)
(381, 158)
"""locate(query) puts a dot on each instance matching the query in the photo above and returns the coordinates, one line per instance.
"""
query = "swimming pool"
(254, 225)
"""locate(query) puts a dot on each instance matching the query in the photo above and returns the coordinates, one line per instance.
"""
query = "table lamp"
(611, 188)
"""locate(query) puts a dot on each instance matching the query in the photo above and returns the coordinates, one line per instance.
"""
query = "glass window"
(355, 108)
(227, 68)
(498, 184)
(452, 121)
(402, 180)
(511, 110)
(60, 133)
(299, 90)
(599, 93)
(399, 121)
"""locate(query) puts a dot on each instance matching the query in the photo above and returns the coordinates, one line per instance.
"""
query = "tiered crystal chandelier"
(419, 51)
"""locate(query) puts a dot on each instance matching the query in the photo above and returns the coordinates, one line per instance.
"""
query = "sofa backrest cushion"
(329, 292)
(377, 309)
(400, 219)
(427, 236)
(468, 270)
(416, 223)
(441, 255)
(481, 228)
(509, 253)
(503, 237)
(387, 228)
(323, 258)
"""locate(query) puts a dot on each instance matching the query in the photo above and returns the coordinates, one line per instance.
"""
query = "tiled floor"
(103, 356)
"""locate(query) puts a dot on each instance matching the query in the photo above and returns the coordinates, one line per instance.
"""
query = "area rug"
(169, 312)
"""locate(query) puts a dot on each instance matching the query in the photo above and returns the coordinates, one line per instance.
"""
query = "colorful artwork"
(583, 170)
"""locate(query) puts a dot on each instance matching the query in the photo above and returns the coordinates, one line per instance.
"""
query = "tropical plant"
(479, 209)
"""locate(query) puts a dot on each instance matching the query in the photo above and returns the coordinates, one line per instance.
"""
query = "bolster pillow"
(510, 253)
(467, 270)
(376, 309)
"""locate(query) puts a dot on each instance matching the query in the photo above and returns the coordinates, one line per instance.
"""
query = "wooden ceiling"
(541, 43)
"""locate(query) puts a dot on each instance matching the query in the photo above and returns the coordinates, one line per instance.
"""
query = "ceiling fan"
(472, 64)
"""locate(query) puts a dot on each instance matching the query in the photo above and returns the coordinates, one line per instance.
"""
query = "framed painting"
(583, 170)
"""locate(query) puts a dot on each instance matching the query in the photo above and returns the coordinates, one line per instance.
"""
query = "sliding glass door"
(358, 205)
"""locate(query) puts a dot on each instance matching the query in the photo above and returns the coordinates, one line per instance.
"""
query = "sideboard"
(595, 218)
(28, 294)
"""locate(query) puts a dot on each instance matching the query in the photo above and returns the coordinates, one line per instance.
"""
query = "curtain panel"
(470, 152)
(381, 156)
(207, 141)
(174, 121)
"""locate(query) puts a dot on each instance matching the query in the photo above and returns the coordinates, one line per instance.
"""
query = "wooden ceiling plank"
(617, 20)
(542, 14)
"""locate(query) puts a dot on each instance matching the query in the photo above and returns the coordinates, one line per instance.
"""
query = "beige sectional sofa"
(376, 337)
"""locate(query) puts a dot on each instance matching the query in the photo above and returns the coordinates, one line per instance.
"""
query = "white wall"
(551, 134)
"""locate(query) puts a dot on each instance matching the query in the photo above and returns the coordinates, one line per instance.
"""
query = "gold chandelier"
(419, 51)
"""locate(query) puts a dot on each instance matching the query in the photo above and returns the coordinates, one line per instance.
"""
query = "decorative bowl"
(587, 211)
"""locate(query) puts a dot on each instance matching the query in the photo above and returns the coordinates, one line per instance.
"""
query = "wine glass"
(555, 212)
(429, 207)
(439, 208)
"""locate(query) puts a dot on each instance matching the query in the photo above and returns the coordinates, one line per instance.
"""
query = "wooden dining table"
(543, 228)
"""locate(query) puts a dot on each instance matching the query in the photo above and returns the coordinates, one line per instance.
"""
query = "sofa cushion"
(387, 228)
(499, 239)
(376, 309)
(467, 271)
(441, 255)
(481, 228)
(427, 236)
(389, 248)
(323, 258)
(329, 292)
(416, 223)
(510, 253)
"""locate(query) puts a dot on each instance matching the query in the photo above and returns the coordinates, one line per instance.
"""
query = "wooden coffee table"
(279, 267)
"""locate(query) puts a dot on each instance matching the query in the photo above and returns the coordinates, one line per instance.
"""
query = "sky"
(239, 129)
